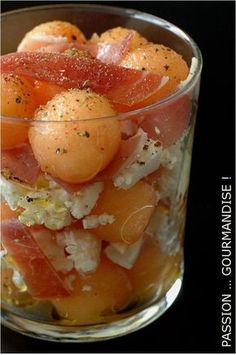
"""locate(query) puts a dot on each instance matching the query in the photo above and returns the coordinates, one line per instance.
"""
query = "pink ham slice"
(21, 163)
(167, 122)
(120, 85)
(113, 53)
(39, 275)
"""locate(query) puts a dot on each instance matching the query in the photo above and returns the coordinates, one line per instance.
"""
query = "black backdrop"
(192, 324)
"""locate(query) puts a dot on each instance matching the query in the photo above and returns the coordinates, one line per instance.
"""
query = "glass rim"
(134, 14)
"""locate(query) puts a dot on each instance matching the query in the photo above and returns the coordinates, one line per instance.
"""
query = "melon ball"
(118, 33)
(160, 60)
(50, 32)
(154, 271)
(96, 295)
(145, 275)
(75, 136)
(18, 101)
(131, 210)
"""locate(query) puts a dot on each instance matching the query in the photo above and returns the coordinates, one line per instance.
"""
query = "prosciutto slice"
(39, 275)
(21, 163)
(120, 85)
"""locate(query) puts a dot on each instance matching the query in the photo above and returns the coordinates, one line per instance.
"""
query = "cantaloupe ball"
(69, 143)
(160, 60)
(145, 275)
(97, 295)
(118, 33)
(131, 210)
(153, 272)
(50, 32)
(17, 100)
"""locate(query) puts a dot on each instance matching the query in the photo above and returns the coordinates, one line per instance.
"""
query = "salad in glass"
(94, 173)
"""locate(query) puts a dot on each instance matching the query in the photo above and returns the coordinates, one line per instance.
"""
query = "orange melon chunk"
(131, 210)
(96, 295)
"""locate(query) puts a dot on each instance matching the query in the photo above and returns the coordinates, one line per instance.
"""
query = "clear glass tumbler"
(138, 278)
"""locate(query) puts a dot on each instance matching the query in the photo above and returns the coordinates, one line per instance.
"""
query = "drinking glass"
(154, 281)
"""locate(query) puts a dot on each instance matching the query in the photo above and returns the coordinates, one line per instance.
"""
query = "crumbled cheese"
(12, 192)
(83, 248)
(93, 221)
(162, 227)
(84, 200)
(120, 247)
(147, 161)
(125, 255)
(40, 208)
(168, 160)
(158, 225)
(51, 206)
(53, 250)
(176, 159)
(169, 178)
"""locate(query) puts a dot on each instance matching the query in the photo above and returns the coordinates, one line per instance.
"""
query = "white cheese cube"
(125, 256)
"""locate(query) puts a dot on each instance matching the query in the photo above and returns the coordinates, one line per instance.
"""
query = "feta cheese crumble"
(162, 226)
(53, 250)
(52, 206)
(171, 161)
(84, 249)
(84, 200)
(93, 221)
(174, 179)
(145, 162)
(40, 208)
(12, 192)
(123, 254)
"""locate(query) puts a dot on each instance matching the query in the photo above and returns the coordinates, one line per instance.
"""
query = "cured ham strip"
(39, 275)
(167, 122)
(21, 163)
(120, 85)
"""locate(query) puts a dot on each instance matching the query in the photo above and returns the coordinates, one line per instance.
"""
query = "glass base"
(81, 334)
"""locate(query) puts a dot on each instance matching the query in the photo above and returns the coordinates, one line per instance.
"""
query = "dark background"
(192, 324)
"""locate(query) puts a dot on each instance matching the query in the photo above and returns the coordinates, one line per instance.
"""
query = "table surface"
(192, 324)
